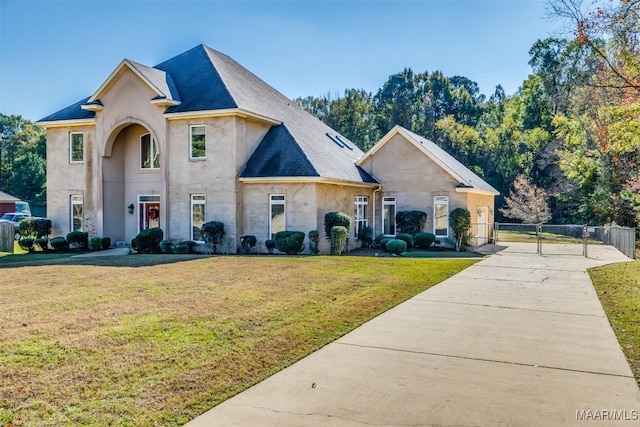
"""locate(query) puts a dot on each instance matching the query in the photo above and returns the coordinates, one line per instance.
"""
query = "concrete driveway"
(517, 339)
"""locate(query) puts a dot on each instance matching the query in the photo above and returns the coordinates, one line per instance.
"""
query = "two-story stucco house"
(200, 138)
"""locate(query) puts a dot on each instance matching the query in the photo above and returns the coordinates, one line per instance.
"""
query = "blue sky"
(54, 53)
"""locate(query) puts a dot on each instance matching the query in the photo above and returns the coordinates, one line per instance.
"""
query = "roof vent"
(344, 143)
(335, 140)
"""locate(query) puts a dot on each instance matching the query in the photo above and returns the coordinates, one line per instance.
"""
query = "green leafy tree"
(460, 221)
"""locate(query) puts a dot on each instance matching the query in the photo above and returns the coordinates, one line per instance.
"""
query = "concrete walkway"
(517, 339)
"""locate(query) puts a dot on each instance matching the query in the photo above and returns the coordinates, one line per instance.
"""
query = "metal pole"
(539, 237)
(495, 236)
(585, 239)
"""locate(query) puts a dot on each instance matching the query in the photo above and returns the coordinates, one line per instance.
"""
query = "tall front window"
(389, 216)
(148, 212)
(76, 147)
(197, 216)
(441, 216)
(360, 214)
(277, 221)
(198, 142)
(149, 158)
(77, 217)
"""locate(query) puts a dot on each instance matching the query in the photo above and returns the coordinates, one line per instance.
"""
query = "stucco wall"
(339, 198)
(300, 209)
(65, 178)
(412, 178)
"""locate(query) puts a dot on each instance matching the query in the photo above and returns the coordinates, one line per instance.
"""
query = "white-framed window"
(277, 213)
(389, 216)
(198, 142)
(76, 147)
(360, 214)
(197, 216)
(149, 157)
(441, 216)
(77, 215)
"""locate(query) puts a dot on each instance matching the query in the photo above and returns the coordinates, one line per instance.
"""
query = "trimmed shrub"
(396, 246)
(365, 235)
(42, 243)
(166, 247)
(289, 242)
(26, 228)
(410, 222)
(270, 244)
(59, 244)
(105, 243)
(26, 244)
(314, 241)
(247, 242)
(78, 240)
(384, 241)
(95, 244)
(378, 239)
(332, 219)
(148, 241)
(407, 238)
(424, 240)
(184, 247)
(338, 239)
(212, 233)
(42, 227)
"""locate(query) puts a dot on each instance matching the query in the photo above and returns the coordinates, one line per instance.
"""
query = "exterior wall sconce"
(130, 208)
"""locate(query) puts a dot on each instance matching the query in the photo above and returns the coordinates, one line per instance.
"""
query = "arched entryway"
(132, 182)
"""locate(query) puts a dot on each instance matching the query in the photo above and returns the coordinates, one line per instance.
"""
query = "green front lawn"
(618, 287)
(124, 341)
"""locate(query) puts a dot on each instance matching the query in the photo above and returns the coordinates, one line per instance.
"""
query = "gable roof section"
(468, 180)
(6, 197)
(205, 80)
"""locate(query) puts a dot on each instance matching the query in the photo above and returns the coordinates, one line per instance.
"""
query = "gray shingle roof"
(204, 79)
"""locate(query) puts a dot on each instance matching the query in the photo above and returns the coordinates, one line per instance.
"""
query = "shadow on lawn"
(132, 261)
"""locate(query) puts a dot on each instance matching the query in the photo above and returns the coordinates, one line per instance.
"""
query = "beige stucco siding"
(412, 178)
(339, 198)
(65, 178)
(300, 209)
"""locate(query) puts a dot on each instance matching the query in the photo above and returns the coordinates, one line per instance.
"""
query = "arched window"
(149, 158)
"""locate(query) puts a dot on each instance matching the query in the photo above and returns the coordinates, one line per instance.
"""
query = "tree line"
(572, 128)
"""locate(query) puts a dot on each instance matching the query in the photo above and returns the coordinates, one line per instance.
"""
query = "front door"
(149, 212)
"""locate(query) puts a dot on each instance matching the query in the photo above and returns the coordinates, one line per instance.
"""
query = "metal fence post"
(585, 238)
(539, 237)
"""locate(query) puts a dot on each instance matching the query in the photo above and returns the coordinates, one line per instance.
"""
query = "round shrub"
(42, 243)
(148, 241)
(338, 239)
(185, 247)
(365, 235)
(289, 242)
(378, 239)
(41, 227)
(424, 240)
(59, 244)
(26, 244)
(95, 244)
(270, 244)
(407, 238)
(332, 219)
(384, 241)
(248, 242)
(26, 227)
(105, 243)
(396, 246)
(166, 247)
(78, 240)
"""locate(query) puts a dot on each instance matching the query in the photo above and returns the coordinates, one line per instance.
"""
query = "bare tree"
(527, 202)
